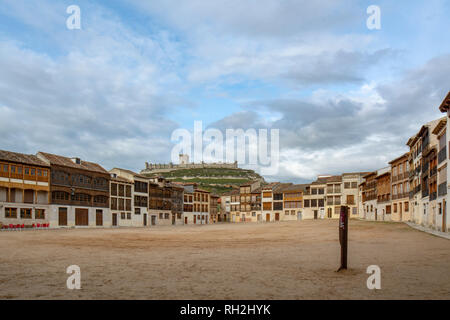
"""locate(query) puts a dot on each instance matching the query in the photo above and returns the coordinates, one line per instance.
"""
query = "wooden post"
(343, 236)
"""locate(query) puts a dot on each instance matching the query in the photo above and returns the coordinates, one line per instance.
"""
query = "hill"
(215, 180)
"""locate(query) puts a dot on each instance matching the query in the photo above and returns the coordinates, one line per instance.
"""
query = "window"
(27, 171)
(354, 211)
(314, 203)
(161, 215)
(137, 211)
(11, 213)
(129, 215)
(406, 206)
(25, 213)
(347, 185)
(40, 214)
(39, 173)
(395, 208)
(5, 168)
(354, 185)
(278, 206)
(19, 170)
(350, 199)
(306, 203)
(166, 216)
(321, 202)
(122, 215)
(267, 205)
(45, 172)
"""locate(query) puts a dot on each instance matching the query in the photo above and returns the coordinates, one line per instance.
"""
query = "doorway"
(195, 219)
(62, 217)
(277, 216)
(268, 217)
(400, 211)
(173, 218)
(299, 215)
(81, 217)
(153, 220)
(315, 214)
(145, 219)
(114, 219)
(99, 218)
(185, 220)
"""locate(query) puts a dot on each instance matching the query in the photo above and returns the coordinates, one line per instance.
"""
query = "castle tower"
(184, 159)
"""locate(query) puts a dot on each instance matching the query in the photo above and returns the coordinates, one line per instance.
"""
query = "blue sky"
(344, 97)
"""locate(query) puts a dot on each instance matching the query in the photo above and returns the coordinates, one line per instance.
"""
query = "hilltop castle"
(152, 168)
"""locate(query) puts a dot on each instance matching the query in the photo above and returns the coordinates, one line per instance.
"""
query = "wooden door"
(444, 216)
(268, 217)
(62, 217)
(315, 214)
(99, 217)
(195, 219)
(153, 220)
(400, 210)
(114, 219)
(145, 219)
(277, 216)
(81, 217)
(173, 218)
(185, 220)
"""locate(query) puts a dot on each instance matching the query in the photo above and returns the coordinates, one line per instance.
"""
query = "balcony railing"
(433, 171)
(442, 155)
(433, 196)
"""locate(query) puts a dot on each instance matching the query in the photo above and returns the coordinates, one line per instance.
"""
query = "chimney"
(76, 160)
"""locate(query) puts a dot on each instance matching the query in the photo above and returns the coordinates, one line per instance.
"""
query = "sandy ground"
(292, 260)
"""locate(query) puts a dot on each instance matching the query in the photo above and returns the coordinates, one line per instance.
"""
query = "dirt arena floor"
(292, 260)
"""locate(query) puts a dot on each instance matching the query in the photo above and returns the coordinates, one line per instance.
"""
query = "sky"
(344, 98)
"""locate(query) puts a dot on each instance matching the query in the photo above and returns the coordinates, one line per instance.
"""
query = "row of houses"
(65, 192)
(413, 188)
(322, 199)
(69, 192)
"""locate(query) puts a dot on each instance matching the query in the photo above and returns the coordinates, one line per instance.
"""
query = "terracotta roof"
(120, 179)
(320, 181)
(445, 106)
(22, 158)
(281, 186)
(405, 155)
(132, 173)
(370, 174)
(295, 188)
(54, 159)
(270, 186)
(334, 179)
(442, 124)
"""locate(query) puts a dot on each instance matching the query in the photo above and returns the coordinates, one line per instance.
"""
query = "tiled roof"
(295, 187)
(334, 179)
(22, 158)
(280, 187)
(54, 159)
(132, 173)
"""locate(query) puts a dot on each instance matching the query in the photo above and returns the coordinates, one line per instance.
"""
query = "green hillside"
(216, 180)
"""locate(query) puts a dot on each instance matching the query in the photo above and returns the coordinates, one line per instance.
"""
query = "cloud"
(355, 131)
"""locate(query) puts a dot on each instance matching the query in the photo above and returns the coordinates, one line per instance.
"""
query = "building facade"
(24, 190)
(79, 192)
(400, 188)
